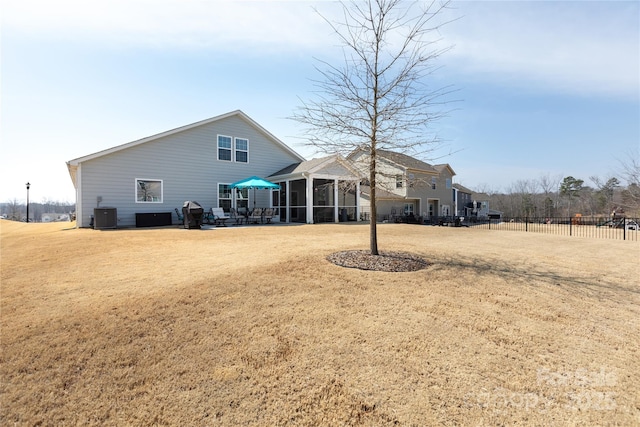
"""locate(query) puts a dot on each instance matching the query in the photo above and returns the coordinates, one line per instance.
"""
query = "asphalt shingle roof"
(406, 161)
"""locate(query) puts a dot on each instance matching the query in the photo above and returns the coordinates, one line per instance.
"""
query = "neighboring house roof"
(462, 189)
(442, 167)
(72, 165)
(401, 160)
(406, 161)
(480, 196)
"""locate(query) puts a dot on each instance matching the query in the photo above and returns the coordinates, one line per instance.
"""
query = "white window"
(398, 181)
(148, 190)
(242, 150)
(224, 197)
(233, 149)
(408, 209)
(448, 183)
(242, 198)
(433, 182)
(224, 148)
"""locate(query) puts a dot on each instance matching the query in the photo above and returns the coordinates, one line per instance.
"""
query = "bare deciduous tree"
(379, 98)
(605, 192)
(549, 185)
(14, 209)
(630, 172)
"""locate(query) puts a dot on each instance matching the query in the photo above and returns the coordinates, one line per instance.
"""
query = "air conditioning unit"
(105, 218)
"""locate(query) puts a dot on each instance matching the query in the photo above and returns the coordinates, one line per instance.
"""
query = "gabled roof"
(301, 167)
(442, 167)
(239, 113)
(403, 160)
(314, 165)
(462, 189)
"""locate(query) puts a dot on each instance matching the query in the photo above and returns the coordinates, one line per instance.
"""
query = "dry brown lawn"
(253, 326)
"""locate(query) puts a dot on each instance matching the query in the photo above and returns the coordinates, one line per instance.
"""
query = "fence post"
(570, 227)
(526, 224)
(624, 228)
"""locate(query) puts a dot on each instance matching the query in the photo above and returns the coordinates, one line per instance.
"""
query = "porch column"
(358, 201)
(336, 212)
(287, 202)
(79, 202)
(309, 209)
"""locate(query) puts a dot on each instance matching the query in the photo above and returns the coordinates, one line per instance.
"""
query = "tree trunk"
(373, 232)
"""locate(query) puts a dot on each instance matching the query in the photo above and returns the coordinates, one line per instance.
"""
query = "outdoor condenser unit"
(104, 218)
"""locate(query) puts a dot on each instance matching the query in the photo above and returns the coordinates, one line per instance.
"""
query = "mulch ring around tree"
(385, 261)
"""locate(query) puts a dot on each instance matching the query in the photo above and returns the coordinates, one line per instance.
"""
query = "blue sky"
(544, 87)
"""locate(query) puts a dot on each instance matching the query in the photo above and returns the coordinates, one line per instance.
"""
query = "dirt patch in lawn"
(255, 326)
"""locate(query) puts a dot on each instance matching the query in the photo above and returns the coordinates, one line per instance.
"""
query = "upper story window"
(398, 181)
(233, 149)
(224, 148)
(433, 182)
(448, 183)
(242, 150)
(148, 190)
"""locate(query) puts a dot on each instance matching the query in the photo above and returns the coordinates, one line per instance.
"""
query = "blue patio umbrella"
(256, 183)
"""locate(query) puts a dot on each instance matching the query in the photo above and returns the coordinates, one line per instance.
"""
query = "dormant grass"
(253, 326)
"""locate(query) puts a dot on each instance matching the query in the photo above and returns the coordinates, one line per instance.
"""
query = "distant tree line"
(551, 196)
(17, 210)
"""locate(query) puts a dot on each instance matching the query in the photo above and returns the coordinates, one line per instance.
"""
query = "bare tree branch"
(379, 97)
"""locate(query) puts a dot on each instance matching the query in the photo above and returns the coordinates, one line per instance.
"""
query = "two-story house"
(462, 197)
(147, 180)
(406, 187)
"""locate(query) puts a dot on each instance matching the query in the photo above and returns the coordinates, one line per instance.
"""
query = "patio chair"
(255, 216)
(219, 217)
(234, 215)
(243, 211)
(268, 214)
(208, 218)
(180, 217)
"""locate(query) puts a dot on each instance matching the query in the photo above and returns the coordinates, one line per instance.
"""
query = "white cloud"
(195, 24)
(578, 47)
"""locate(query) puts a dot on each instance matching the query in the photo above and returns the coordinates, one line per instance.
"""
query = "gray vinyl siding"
(187, 163)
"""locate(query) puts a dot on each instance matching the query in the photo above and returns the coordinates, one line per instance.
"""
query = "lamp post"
(28, 186)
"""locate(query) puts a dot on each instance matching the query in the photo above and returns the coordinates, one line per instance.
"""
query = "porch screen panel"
(298, 201)
(323, 200)
(347, 200)
(282, 205)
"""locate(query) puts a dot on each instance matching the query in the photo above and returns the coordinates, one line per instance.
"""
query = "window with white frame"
(242, 198)
(448, 183)
(224, 197)
(233, 149)
(408, 209)
(224, 148)
(433, 182)
(148, 190)
(398, 181)
(242, 150)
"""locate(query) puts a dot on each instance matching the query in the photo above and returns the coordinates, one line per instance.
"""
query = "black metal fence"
(592, 227)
